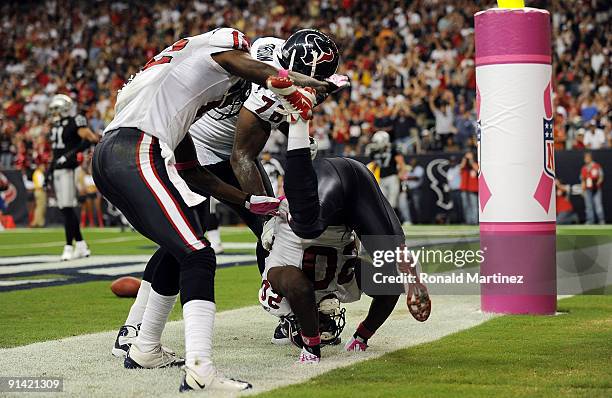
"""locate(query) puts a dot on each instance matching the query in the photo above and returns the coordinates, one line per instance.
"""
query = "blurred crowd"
(411, 65)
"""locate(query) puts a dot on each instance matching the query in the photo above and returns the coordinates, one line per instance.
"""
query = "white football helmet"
(60, 106)
(381, 139)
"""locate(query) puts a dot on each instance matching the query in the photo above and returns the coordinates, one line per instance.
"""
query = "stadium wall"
(436, 200)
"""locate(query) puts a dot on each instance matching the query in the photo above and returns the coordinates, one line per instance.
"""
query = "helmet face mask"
(332, 319)
(310, 52)
(232, 101)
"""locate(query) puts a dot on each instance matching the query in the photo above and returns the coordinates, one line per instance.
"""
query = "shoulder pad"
(229, 38)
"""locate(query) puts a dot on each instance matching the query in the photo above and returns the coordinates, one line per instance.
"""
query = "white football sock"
(138, 308)
(214, 236)
(154, 320)
(199, 316)
(298, 135)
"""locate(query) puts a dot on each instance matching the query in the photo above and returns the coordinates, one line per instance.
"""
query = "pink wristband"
(364, 332)
(283, 73)
(186, 165)
(311, 341)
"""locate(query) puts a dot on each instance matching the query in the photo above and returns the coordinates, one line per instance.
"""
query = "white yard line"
(62, 243)
(242, 350)
(28, 281)
(49, 263)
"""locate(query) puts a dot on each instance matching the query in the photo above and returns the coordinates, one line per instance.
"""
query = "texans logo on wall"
(549, 142)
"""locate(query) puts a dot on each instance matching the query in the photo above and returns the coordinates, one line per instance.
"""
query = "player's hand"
(262, 205)
(338, 82)
(61, 160)
(297, 101)
(355, 344)
(267, 235)
(417, 296)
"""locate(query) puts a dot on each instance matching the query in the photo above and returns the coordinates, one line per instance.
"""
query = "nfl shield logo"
(549, 148)
(478, 144)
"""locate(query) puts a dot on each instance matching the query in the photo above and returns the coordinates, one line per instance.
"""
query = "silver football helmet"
(60, 106)
(381, 139)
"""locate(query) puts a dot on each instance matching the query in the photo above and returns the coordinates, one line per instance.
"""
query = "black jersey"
(385, 158)
(65, 140)
(349, 195)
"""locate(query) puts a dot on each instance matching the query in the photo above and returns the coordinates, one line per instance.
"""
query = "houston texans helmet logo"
(317, 51)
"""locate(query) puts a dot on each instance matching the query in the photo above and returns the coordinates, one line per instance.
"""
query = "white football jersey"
(213, 135)
(164, 98)
(328, 261)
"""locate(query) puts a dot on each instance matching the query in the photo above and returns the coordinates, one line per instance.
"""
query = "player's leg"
(301, 183)
(293, 284)
(130, 329)
(66, 195)
(159, 212)
(211, 226)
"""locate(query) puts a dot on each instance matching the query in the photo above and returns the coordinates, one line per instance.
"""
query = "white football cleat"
(80, 250)
(160, 357)
(67, 253)
(192, 380)
(125, 338)
(310, 358)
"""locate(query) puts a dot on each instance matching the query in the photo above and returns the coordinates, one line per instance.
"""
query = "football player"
(143, 165)
(214, 133)
(327, 201)
(229, 140)
(385, 157)
(69, 136)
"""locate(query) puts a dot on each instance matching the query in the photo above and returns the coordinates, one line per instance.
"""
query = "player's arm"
(240, 63)
(87, 135)
(251, 136)
(205, 181)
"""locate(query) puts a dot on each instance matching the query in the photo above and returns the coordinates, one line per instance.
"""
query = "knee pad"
(197, 279)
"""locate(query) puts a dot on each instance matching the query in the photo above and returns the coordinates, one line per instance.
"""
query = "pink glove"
(355, 344)
(263, 205)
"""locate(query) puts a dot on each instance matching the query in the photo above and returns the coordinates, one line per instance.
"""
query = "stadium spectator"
(579, 143)
(565, 209)
(453, 178)
(469, 188)
(40, 196)
(414, 182)
(592, 178)
(594, 137)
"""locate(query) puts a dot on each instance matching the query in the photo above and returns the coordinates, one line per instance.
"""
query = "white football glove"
(267, 235)
(60, 161)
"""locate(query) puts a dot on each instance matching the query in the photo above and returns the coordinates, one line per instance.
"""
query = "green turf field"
(567, 355)
(564, 355)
